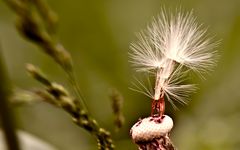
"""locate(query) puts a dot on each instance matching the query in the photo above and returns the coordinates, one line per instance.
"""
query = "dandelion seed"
(170, 46)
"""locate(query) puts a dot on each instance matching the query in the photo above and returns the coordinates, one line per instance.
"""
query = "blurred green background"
(98, 34)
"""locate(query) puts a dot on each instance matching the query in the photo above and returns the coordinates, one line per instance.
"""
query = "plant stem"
(6, 116)
(76, 89)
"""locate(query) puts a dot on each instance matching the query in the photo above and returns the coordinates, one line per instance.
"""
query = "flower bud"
(151, 133)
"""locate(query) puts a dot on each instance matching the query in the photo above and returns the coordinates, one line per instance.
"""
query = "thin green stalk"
(76, 89)
(6, 116)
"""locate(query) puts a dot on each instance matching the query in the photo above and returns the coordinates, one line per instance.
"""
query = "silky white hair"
(171, 42)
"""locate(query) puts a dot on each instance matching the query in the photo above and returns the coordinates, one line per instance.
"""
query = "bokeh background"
(98, 34)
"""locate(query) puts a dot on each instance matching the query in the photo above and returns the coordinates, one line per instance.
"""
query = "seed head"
(151, 133)
(176, 37)
(150, 128)
(170, 46)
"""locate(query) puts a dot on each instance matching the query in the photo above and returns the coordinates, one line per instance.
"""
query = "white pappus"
(170, 46)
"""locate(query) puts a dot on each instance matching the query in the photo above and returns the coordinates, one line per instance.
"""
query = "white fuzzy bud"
(151, 128)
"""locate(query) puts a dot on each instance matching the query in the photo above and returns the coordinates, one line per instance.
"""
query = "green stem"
(76, 89)
(6, 116)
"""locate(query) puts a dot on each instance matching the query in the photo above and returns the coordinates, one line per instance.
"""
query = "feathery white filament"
(169, 43)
